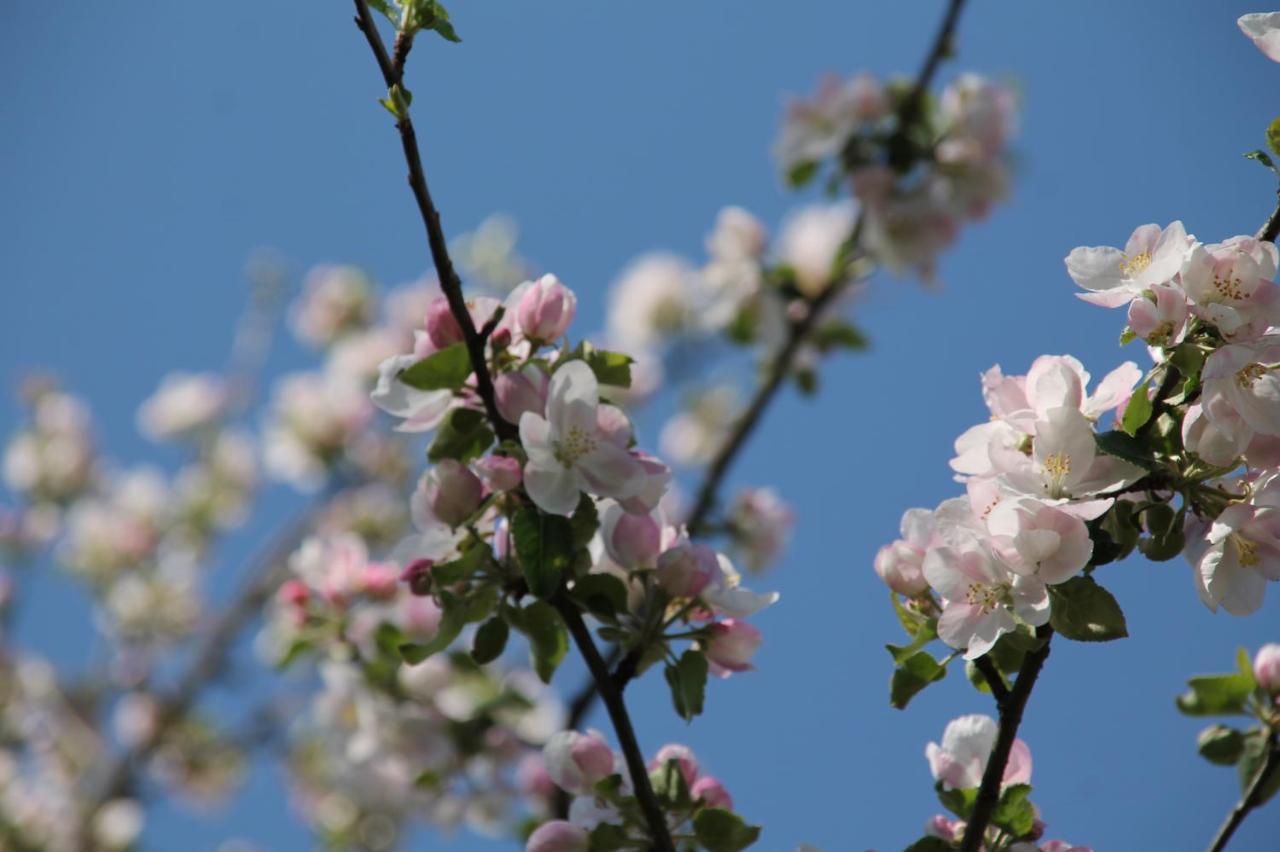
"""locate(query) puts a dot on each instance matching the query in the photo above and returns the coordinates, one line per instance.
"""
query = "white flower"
(184, 404)
(1263, 29)
(569, 452)
(811, 240)
(961, 760)
(1114, 278)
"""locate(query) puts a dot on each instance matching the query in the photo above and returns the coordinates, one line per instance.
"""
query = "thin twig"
(1252, 796)
(617, 709)
(1010, 717)
(1270, 229)
(392, 73)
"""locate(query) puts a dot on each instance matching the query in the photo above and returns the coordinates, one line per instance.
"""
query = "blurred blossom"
(651, 301)
(488, 254)
(335, 301)
(695, 435)
(52, 458)
(184, 405)
(314, 417)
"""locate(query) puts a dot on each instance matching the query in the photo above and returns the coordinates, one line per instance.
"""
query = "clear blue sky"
(149, 147)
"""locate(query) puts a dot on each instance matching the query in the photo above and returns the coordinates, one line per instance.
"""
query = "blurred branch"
(1253, 795)
(1011, 709)
(270, 567)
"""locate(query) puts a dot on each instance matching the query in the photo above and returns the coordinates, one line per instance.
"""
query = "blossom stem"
(392, 74)
(1011, 708)
(611, 694)
(1270, 229)
(1252, 796)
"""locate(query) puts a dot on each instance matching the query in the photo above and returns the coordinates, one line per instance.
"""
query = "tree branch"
(1011, 708)
(450, 283)
(995, 680)
(1270, 229)
(1252, 795)
(617, 708)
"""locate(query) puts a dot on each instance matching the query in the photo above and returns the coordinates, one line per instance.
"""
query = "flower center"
(1248, 550)
(575, 444)
(985, 598)
(1134, 265)
(1056, 468)
(1250, 373)
(1228, 288)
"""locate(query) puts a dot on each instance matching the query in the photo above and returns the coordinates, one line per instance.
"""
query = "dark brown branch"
(392, 74)
(1270, 229)
(617, 709)
(1011, 709)
(995, 680)
(1252, 796)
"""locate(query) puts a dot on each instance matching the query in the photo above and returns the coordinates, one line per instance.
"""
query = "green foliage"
(447, 369)
(802, 174)
(1084, 611)
(464, 435)
(719, 830)
(490, 640)
(1273, 136)
(1127, 447)
(1261, 157)
(548, 639)
(838, 334)
(610, 368)
(670, 785)
(608, 838)
(544, 544)
(959, 802)
(1015, 812)
(688, 682)
(1220, 744)
(1217, 695)
(603, 595)
(1139, 409)
(912, 675)
(430, 15)
(1257, 746)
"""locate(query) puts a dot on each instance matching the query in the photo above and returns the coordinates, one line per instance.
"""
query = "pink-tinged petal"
(553, 488)
(1114, 390)
(1096, 268)
(1055, 381)
(958, 623)
(989, 630)
(1144, 238)
(614, 425)
(611, 471)
(1018, 769)
(1238, 589)
(573, 398)
(535, 434)
(1263, 29)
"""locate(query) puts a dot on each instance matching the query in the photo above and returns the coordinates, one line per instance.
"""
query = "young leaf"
(688, 682)
(1220, 744)
(490, 640)
(544, 544)
(447, 369)
(912, 675)
(1257, 745)
(1138, 411)
(1127, 447)
(719, 830)
(548, 640)
(464, 435)
(1015, 811)
(1273, 136)
(959, 802)
(1084, 611)
(452, 620)
(604, 595)
(1216, 695)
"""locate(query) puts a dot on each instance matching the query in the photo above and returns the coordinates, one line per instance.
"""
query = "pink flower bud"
(418, 575)
(294, 593)
(379, 580)
(522, 391)
(558, 836)
(657, 476)
(900, 566)
(631, 540)
(681, 754)
(532, 777)
(712, 792)
(1266, 668)
(442, 329)
(499, 473)
(577, 762)
(732, 644)
(546, 309)
(451, 492)
(686, 569)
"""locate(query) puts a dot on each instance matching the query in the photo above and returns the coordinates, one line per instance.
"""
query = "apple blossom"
(684, 757)
(558, 836)
(183, 405)
(652, 300)
(1152, 256)
(811, 241)
(1263, 29)
(449, 492)
(631, 540)
(685, 570)
(1036, 538)
(1266, 668)
(518, 391)
(726, 595)
(960, 761)
(1245, 376)
(544, 309)
(568, 451)
(712, 792)
(577, 762)
(499, 473)
(816, 130)
(1237, 556)
(335, 301)
(731, 646)
(1230, 285)
(1159, 316)
(762, 525)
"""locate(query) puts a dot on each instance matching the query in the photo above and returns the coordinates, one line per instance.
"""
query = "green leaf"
(610, 368)
(490, 640)
(1015, 812)
(670, 785)
(912, 675)
(385, 8)
(548, 640)
(801, 174)
(464, 435)
(1139, 409)
(1127, 336)
(839, 334)
(1220, 744)
(1083, 610)
(603, 595)
(1216, 695)
(1273, 136)
(925, 634)
(608, 838)
(293, 653)
(457, 570)
(688, 682)
(1127, 447)
(1261, 157)
(388, 638)
(1254, 755)
(452, 620)
(959, 802)
(719, 830)
(585, 521)
(806, 380)
(544, 544)
(447, 369)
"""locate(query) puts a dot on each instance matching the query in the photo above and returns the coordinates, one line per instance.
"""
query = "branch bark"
(1011, 709)
(1270, 229)
(1250, 799)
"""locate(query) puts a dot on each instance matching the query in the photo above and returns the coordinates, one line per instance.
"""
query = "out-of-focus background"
(147, 149)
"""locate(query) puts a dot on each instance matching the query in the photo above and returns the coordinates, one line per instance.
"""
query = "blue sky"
(148, 150)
